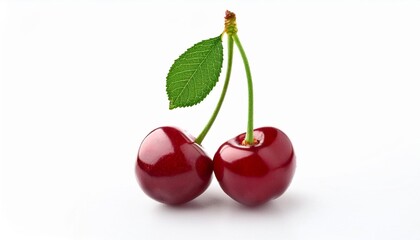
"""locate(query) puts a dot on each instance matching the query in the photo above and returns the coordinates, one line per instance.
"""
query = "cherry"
(171, 168)
(254, 174)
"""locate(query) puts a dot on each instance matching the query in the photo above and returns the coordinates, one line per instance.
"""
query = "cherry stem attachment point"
(206, 129)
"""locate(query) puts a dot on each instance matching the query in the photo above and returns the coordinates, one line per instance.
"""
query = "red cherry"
(255, 174)
(171, 168)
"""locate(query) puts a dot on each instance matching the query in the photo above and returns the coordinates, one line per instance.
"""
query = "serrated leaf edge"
(171, 105)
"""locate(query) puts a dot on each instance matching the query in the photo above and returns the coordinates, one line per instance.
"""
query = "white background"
(83, 82)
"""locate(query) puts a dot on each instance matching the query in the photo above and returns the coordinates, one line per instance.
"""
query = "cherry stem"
(231, 30)
(249, 137)
(206, 129)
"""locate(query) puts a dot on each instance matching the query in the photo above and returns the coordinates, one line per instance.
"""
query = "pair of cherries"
(171, 168)
(252, 168)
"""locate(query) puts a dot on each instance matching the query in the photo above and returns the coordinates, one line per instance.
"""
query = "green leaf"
(195, 73)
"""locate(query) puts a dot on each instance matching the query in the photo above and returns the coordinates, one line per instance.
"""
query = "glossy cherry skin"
(253, 175)
(171, 168)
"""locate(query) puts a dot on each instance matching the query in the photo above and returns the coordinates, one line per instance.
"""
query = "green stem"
(206, 129)
(249, 137)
